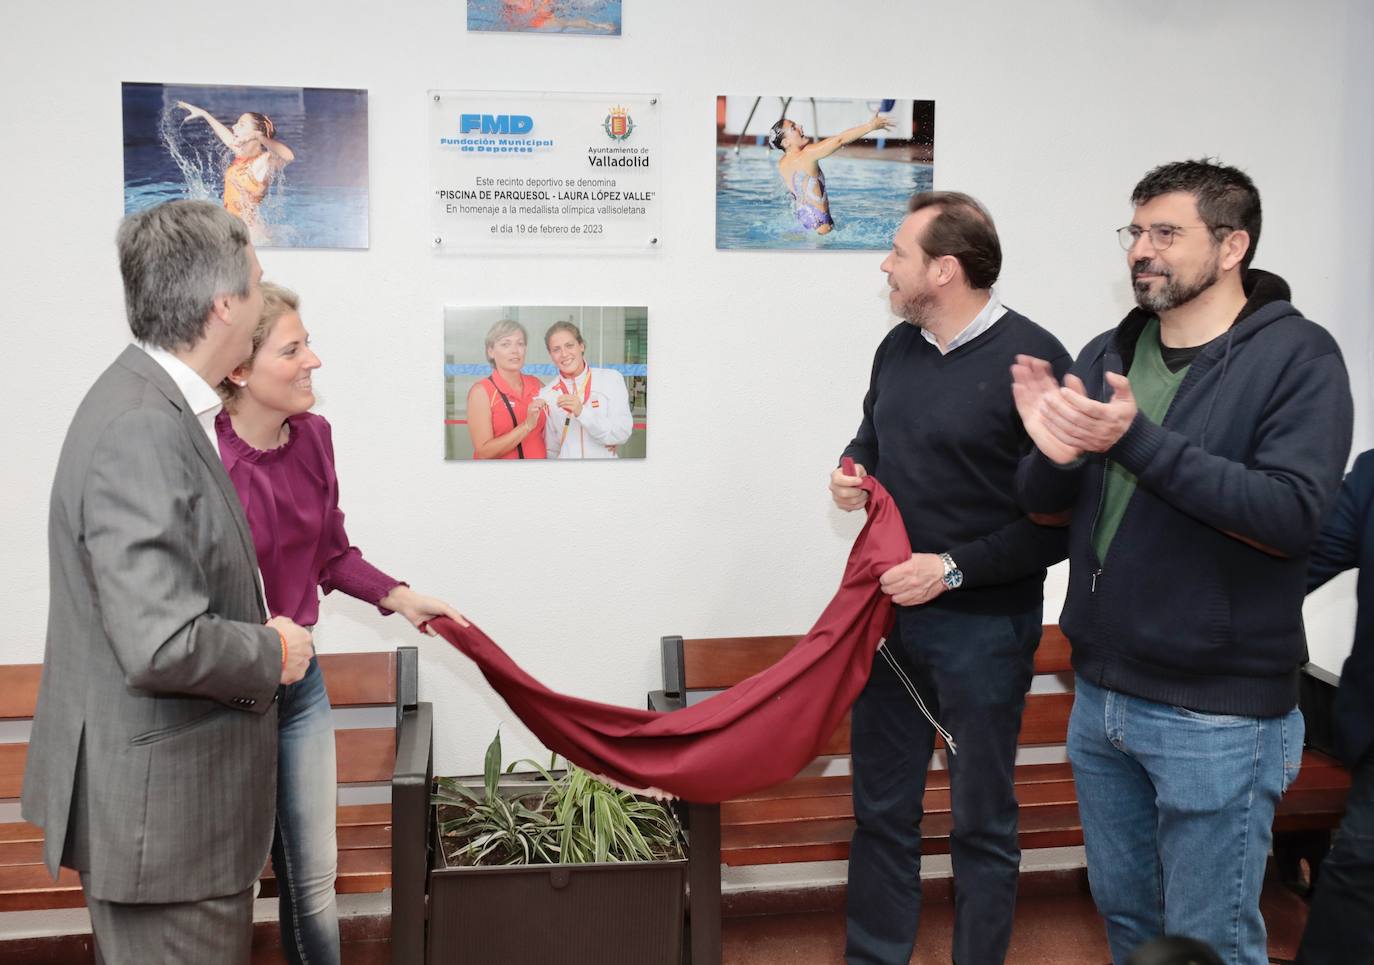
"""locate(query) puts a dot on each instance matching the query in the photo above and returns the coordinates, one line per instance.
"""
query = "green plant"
(569, 818)
(492, 828)
(598, 822)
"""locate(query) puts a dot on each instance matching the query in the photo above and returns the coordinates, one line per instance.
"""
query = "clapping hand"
(1064, 421)
(1032, 386)
(1079, 422)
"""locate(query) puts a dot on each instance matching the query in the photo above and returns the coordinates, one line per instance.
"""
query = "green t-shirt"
(1154, 387)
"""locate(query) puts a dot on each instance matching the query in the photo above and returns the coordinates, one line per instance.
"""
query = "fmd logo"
(496, 123)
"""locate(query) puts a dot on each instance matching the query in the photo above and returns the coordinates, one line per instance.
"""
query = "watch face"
(953, 578)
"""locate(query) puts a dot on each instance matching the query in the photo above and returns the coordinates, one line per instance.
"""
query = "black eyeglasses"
(1161, 235)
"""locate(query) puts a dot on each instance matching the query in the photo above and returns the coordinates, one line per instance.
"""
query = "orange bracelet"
(283, 647)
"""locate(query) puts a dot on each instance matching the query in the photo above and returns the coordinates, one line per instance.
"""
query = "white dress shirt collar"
(199, 394)
(983, 321)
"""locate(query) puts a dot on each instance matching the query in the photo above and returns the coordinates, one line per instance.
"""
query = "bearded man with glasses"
(1197, 445)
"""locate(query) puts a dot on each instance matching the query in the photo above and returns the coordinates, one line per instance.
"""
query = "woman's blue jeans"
(1178, 813)
(305, 847)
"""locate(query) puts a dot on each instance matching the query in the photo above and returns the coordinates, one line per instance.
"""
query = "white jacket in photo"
(605, 421)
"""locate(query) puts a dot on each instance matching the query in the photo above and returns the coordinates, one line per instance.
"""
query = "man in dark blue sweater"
(1340, 927)
(941, 432)
(1197, 445)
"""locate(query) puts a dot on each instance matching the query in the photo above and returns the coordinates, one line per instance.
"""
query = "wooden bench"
(811, 817)
(399, 754)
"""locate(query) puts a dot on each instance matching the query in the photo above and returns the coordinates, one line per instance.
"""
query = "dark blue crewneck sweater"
(942, 434)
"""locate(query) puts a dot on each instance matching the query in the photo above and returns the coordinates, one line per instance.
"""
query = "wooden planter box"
(618, 913)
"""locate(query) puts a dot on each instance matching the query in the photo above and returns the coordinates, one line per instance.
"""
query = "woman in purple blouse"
(280, 458)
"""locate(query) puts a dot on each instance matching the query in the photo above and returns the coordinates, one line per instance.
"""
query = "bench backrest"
(366, 755)
(699, 666)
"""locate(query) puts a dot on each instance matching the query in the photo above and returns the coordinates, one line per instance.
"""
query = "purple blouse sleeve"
(357, 577)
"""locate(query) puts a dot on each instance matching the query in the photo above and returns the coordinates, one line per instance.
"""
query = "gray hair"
(499, 331)
(176, 259)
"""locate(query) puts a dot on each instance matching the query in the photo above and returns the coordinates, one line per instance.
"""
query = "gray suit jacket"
(153, 759)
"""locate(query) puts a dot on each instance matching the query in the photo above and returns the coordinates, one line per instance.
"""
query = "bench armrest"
(661, 700)
(1317, 700)
(410, 827)
(1321, 675)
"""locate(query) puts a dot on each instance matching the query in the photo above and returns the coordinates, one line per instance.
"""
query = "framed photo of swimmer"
(546, 382)
(597, 18)
(290, 161)
(545, 172)
(818, 173)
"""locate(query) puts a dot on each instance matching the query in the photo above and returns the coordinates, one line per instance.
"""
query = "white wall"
(1049, 112)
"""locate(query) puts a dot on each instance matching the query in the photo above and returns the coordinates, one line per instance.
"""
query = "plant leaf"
(491, 770)
(453, 791)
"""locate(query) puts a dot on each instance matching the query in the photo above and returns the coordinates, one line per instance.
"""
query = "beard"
(1174, 291)
(918, 309)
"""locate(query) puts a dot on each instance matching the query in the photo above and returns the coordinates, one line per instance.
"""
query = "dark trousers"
(1340, 924)
(973, 672)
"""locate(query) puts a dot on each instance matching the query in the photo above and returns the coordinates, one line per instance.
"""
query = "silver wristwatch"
(954, 577)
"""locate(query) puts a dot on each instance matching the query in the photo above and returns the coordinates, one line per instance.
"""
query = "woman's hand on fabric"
(420, 609)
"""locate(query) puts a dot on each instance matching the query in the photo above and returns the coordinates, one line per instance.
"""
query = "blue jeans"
(972, 671)
(1340, 925)
(305, 848)
(1178, 814)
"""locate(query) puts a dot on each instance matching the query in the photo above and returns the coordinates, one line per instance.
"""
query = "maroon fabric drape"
(756, 734)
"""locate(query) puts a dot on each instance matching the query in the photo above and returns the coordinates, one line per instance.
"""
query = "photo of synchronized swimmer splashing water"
(291, 162)
(594, 17)
(818, 173)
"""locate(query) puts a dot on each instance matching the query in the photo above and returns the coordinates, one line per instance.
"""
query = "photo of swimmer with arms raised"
(258, 156)
(289, 162)
(876, 153)
(800, 167)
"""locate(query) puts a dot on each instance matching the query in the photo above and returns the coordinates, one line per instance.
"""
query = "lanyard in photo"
(514, 423)
(586, 395)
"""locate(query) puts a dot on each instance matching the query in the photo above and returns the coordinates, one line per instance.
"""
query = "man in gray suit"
(152, 764)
